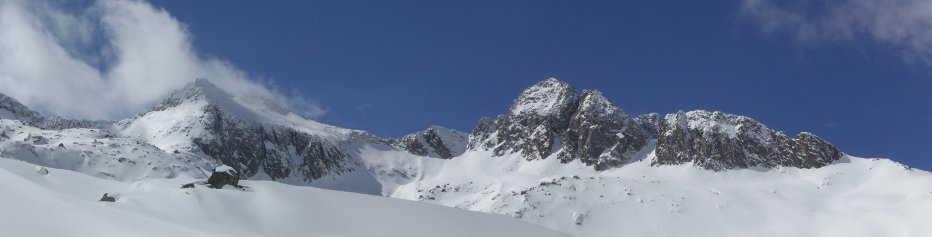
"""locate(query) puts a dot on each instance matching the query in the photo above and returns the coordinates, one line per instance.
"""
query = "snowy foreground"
(65, 203)
(853, 197)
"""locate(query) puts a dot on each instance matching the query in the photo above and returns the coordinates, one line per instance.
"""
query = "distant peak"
(10, 108)
(200, 89)
(552, 82)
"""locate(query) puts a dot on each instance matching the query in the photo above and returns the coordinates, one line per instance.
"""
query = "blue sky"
(392, 67)
(855, 74)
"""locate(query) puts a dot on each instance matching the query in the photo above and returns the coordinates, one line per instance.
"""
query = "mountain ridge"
(566, 160)
(550, 118)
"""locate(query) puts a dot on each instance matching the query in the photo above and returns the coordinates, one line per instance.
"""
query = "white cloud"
(111, 59)
(904, 26)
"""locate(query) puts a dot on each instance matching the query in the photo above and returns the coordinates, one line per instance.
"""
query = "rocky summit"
(550, 119)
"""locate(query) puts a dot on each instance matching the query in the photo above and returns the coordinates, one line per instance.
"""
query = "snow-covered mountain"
(201, 126)
(564, 159)
(258, 139)
(575, 163)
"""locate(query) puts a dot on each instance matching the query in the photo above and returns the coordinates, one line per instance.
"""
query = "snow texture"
(65, 203)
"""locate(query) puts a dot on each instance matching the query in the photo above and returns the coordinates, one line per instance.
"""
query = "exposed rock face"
(481, 132)
(222, 176)
(226, 131)
(536, 120)
(717, 141)
(436, 142)
(649, 123)
(550, 119)
(277, 151)
(600, 134)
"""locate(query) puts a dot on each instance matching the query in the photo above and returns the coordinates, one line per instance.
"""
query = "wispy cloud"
(905, 26)
(109, 59)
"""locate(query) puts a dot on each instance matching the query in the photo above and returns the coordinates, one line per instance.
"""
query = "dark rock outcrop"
(107, 198)
(600, 134)
(278, 151)
(717, 141)
(222, 176)
(549, 118)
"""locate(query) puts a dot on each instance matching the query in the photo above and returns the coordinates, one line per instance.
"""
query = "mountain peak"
(200, 90)
(204, 88)
(546, 98)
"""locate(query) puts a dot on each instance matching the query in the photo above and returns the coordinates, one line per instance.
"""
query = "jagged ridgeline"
(550, 119)
(201, 126)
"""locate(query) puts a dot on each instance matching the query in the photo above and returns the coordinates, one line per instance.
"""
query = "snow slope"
(64, 203)
(853, 197)
(96, 152)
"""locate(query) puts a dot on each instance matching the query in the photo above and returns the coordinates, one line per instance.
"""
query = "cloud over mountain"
(110, 58)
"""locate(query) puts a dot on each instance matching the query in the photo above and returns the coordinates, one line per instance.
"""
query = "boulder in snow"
(223, 175)
(42, 170)
(106, 198)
